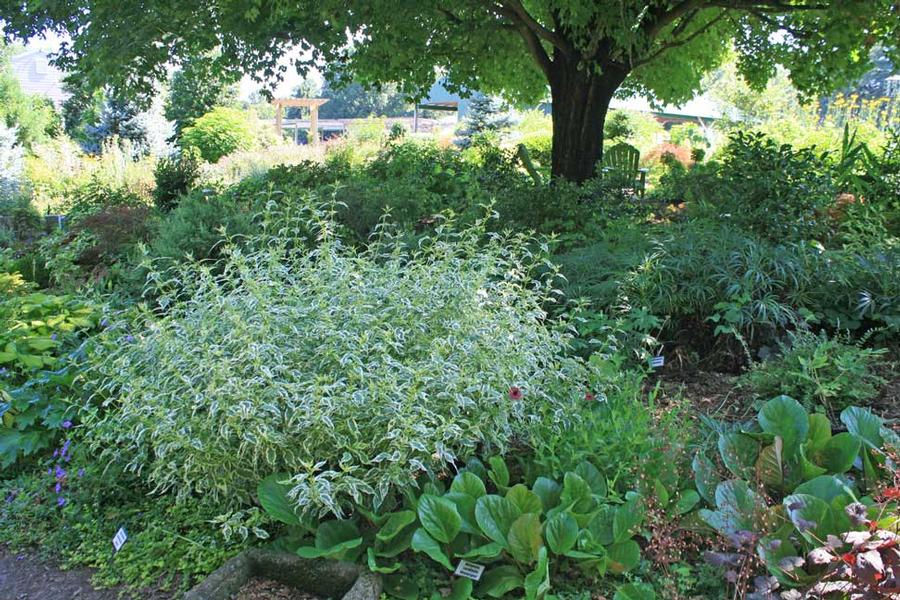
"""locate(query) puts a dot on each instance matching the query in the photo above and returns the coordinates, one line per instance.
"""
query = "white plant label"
(120, 538)
(657, 361)
(468, 569)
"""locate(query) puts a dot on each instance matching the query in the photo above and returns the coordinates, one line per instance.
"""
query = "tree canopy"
(584, 51)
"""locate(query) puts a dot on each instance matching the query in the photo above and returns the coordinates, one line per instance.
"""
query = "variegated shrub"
(354, 371)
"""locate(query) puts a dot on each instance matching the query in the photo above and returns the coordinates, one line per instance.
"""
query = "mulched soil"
(266, 589)
(24, 576)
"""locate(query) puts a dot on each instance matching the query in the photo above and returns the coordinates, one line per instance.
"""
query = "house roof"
(37, 76)
(701, 107)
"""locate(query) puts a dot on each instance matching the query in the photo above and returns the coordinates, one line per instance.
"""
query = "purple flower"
(104, 322)
(129, 338)
(60, 472)
(58, 487)
(53, 337)
(60, 501)
(66, 425)
(81, 472)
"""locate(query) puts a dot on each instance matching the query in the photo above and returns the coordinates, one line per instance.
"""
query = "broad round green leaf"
(422, 542)
(524, 538)
(499, 581)
(439, 517)
(495, 515)
(839, 452)
(548, 491)
(561, 531)
(623, 556)
(785, 417)
(524, 499)
(468, 483)
(394, 524)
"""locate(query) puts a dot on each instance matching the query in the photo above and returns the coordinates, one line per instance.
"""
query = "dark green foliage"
(776, 192)
(819, 371)
(198, 227)
(175, 176)
(81, 110)
(796, 484)
(198, 86)
(518, 530)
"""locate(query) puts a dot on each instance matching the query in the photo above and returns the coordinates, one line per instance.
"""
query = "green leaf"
(498, 472)
(825, 487)
(687, 500)
(439, 518)
(465, 506)
(635, 591)
(576, 494)
(839, 452)
(548, 491)
(601, 526)
(461, 589)
(812, 517)
(422, 542)
(739, 507)
(705, 477)
(864, 425)
(561, 531)
(375, 567)
(491, 550)
(499, 581)
(273, 497)
(628, 517)
(623, 556)
(401, 586)
(785, 417)
(334, 539)
(592, 477)
(662, 494)
(394, 524)
(524, 499)
(819, 432)
(739, 453)
(468, 483)
(537, 583)
(495, 515)
(524, 538)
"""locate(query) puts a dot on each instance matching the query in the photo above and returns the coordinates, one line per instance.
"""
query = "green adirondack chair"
(620, 163)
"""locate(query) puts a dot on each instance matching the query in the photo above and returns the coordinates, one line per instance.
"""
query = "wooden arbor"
(312, 104)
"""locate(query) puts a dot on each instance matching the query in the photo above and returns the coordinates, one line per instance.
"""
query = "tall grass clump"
(355, 371)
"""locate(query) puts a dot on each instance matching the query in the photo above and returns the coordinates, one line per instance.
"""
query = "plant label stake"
(657, 361)
(470, 570)
(120, 538)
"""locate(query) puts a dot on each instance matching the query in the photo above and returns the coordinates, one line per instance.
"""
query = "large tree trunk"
(580, 103)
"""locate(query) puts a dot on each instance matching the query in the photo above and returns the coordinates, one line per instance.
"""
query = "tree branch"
(518, 13)
(666, 46)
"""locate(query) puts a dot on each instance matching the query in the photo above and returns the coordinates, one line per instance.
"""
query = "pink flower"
(515, 393)
(589, 397)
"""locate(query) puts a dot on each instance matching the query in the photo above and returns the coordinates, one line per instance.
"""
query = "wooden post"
(314, 124)
(278, 109)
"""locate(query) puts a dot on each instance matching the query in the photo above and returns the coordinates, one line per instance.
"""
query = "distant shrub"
(175, 175)
(354, 372)
(197, 228)
(772, 190)
(219, 133)
(655, 156)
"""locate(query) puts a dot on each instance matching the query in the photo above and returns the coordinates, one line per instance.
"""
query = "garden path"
(24, 576)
